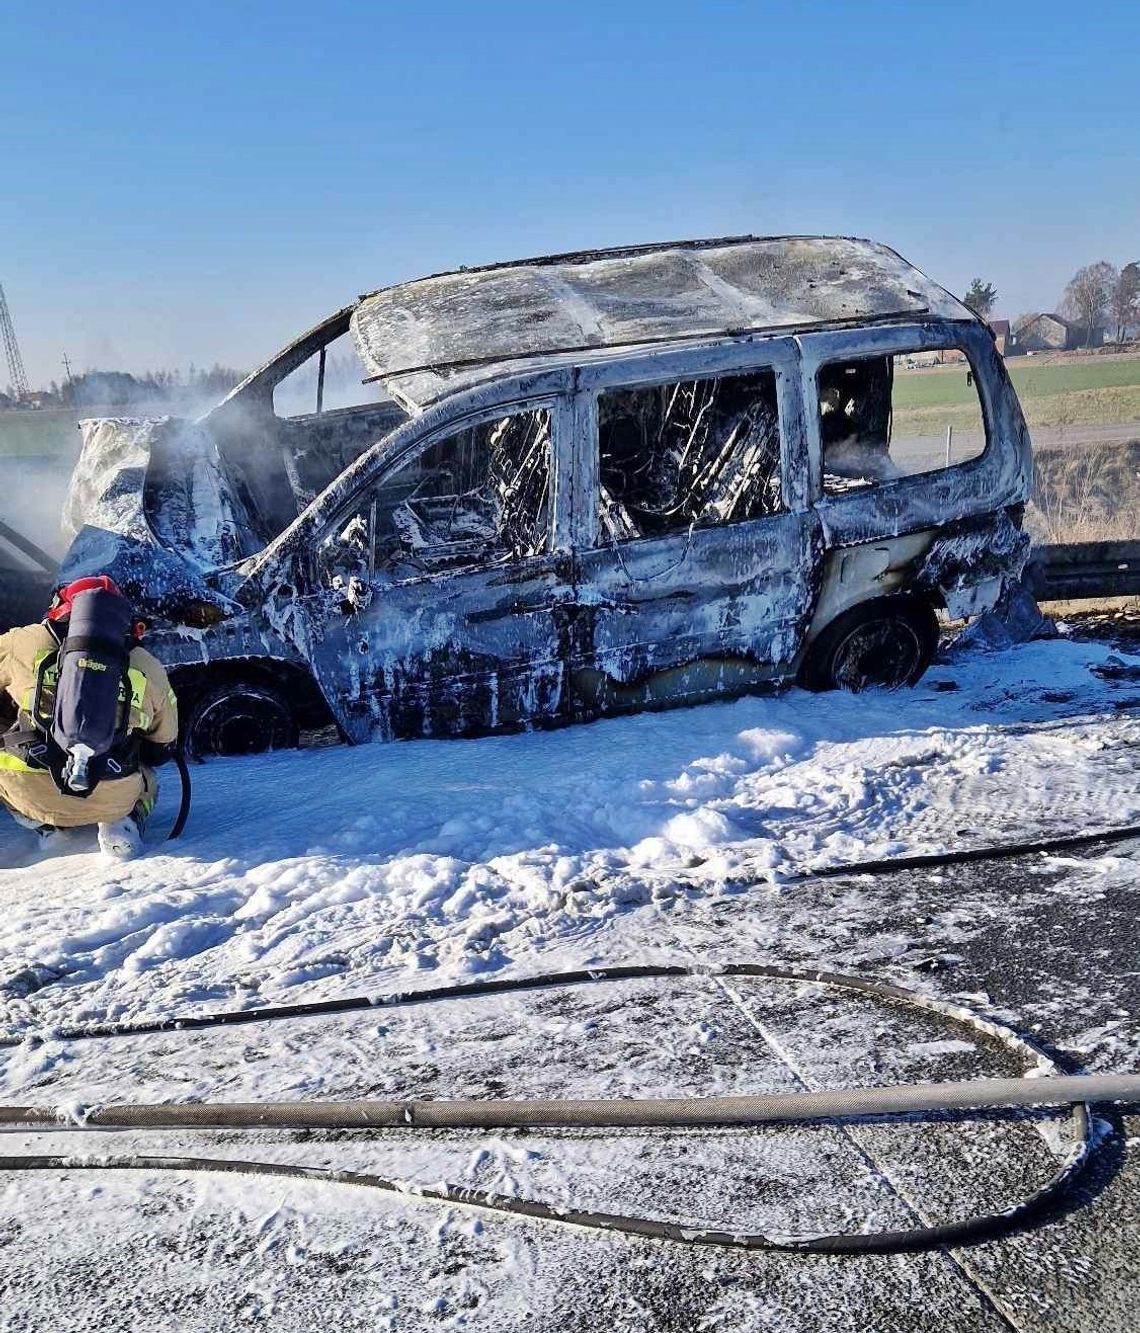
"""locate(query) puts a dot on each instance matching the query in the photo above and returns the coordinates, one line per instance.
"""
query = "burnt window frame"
(318, 412)
(874, 341)
(339, 515)
(255, 392)
(778, 354)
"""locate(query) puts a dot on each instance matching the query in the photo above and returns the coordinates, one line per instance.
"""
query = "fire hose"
(184, 798)
(1048, 1086)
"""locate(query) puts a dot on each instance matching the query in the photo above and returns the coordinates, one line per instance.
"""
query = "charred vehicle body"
(586, 483)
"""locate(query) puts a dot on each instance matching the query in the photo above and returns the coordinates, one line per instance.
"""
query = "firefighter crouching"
(95, 717)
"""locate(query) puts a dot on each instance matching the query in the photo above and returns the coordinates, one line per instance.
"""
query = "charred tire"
(887, 643)
(239, 718)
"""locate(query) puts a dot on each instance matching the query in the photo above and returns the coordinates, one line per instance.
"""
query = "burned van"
(571, 486)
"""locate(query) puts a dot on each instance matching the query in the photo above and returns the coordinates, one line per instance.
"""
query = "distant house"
(1051, 333)
(1001, 331)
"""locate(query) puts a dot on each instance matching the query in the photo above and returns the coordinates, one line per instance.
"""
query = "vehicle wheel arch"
(916, 610)
(272, 678)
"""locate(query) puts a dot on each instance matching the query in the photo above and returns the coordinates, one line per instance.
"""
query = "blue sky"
(201, 181)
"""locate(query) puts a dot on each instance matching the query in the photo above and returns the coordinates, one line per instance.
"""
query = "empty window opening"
(883, 418)
(319, 427)
(326, 387)
(695, 453)
(479, 497)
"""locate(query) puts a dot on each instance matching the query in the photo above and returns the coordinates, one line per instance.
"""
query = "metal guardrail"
(1085, 569)
(28, 549)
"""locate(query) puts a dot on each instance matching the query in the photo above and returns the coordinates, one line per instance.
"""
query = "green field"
(1094, 391)
(54, 432)
(946, 386)
(36, 434)
(1034, 380)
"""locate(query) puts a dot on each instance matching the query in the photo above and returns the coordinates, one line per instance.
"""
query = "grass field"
(1085, 495)
(1091, 391)
(38, 434)
(946, 385)
(54, 432)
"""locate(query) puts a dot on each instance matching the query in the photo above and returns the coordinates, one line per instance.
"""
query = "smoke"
(31, 499)
(39, 448)
(296, 394)
(38, 452)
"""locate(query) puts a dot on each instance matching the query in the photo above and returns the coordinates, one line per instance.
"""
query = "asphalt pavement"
(1048, 944)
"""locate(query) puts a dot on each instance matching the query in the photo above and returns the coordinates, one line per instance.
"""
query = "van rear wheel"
(240, 718)
(886, 643)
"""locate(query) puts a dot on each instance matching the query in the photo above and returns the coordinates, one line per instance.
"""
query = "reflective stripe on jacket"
(31, 791)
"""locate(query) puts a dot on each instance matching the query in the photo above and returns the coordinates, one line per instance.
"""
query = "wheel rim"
(242, 721)
(885, 653)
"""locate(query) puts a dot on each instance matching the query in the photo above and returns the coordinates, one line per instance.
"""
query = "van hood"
(158, 480)
(150, 504)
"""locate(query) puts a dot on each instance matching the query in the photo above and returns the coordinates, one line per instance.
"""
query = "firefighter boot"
(123, 838)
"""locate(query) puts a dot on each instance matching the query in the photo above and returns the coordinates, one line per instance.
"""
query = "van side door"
(697, 555)
(434, 591)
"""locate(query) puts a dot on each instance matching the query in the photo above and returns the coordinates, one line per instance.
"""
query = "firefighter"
(95, 716)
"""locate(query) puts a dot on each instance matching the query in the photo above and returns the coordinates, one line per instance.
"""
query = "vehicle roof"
(432, 337)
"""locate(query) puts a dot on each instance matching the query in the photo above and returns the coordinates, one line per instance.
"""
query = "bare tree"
(981, 297)
(1086, 299)
(1124, 300)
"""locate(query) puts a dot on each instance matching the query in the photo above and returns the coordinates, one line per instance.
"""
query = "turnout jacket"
(31, 792)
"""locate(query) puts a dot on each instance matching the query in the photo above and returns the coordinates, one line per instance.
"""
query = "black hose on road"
(885, 866)
(184, 801)
(1008, 851)
(812, 1106)
(685, 1111)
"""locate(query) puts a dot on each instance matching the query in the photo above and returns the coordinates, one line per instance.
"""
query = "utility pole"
(12, 351)
(67, 367)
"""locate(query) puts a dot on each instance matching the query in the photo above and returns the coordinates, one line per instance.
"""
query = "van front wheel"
(239, 718)
(886, 643)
